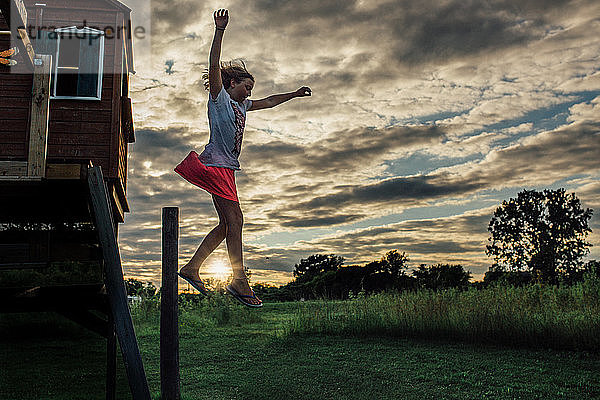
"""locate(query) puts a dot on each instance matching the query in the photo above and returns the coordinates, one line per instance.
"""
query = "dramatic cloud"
(425, 115)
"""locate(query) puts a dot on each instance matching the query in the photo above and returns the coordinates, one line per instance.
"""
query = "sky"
(425, 116)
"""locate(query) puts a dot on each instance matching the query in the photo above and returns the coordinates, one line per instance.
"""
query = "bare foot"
(241, 286)
(190, 271)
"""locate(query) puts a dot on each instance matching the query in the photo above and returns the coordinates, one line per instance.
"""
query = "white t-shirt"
(227, 119)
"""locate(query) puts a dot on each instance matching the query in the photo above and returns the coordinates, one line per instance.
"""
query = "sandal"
(242, 297)
(196, 284)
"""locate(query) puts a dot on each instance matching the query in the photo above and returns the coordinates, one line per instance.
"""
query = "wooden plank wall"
(82, 129)
(15, 100)
(79, 130)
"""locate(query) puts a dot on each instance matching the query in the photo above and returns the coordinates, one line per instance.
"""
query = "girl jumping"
(229, 86)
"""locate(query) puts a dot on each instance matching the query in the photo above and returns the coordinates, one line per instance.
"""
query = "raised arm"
(277, 99)
(214, 67)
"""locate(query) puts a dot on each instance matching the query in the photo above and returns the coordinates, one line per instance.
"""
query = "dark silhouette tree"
(348, 279)
(442, 276)
(395, 263)
(387, 273)
(512, 278)
(540, 232)
(317, 264)
(376, 277)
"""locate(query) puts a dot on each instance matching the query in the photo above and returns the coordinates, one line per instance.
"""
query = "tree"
(317, 264)
(377, 278)
(395, 263)
(442, 276)
(540, 232)
(138, 288)
(387, 273)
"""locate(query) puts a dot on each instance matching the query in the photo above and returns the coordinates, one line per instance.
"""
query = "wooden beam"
(15, 14)
(19, 178)
(115, 286)
(169, 332)
(38, 129)
(13, 168)
(117, 202)
(122, 195)
(63, 171)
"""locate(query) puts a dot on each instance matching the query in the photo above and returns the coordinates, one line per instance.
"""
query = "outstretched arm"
(277, 99)
(214, 67)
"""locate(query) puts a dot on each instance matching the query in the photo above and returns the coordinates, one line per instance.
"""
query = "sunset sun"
(219, 269)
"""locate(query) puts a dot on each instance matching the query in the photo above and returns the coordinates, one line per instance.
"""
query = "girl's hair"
(229, 71)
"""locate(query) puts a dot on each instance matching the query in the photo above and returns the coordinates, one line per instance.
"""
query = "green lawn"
(229, 352)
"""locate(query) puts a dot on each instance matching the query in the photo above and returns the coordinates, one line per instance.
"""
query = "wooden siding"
(79, 130)
(15, 100)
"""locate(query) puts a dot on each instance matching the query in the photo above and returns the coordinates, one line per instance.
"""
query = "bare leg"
(234, 220)
(232, 214)
(208, 245)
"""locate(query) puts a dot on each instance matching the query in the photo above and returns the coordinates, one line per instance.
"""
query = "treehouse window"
(78, 56)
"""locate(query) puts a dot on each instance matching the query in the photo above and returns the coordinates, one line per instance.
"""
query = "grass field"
(566, 317)
(230, 352)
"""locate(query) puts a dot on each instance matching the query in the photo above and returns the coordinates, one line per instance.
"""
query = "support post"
(38, 128)
(115, 286)
(169, 330)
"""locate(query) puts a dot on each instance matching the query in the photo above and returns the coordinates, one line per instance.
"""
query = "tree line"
(326, 276)
(537, 237)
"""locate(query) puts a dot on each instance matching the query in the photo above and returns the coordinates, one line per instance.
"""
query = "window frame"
(76, 31)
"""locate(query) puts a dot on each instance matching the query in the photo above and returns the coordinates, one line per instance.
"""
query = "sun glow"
(219, 270)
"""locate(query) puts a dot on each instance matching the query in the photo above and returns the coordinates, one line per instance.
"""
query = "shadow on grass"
(46, 356)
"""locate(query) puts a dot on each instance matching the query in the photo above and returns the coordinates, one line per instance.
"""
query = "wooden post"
(169, 330)
(38, 128)
(115, 286)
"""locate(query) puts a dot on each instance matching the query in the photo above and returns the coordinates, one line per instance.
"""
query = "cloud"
(458, 239)
(536, 160)
(585, 112)
(343, 150)
(439, 32)
(417, 107)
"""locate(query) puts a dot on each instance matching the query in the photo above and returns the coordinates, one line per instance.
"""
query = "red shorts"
(216, 180)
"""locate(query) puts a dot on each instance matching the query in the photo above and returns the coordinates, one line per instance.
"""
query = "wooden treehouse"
(65, 125)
